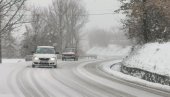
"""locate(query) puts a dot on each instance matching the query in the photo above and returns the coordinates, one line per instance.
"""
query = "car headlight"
(52, 59)
(36, 58)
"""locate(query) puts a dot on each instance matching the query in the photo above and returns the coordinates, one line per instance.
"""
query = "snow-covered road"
(70, 79)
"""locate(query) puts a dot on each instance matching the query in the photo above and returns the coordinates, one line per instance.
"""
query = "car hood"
(68, 53)
(44, 55)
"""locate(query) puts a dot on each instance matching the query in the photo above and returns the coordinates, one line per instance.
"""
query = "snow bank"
(12, 60)
(112, 69)
(110, 51)
(153, 57)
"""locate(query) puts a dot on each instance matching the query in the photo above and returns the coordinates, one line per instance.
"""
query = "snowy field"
(153, 57)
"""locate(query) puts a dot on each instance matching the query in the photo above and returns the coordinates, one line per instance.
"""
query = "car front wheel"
(33, 66)
(55, 66)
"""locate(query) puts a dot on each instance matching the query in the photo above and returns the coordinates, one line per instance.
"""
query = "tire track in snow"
(106, 90)
(23, 83)
(81, 91)
(99, 82)
(61, 88)
(86, 88)
(36, 77)
(89, 71)
(26, 88)
(75, 92)
(18, 83)
(12, 83)
(58, 87)
(72, 87)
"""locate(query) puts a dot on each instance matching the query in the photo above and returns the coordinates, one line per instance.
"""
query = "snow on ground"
(114, 70)
(12, 69)
(5, 69)
(12, 60)
(153, 57)
(110, 51)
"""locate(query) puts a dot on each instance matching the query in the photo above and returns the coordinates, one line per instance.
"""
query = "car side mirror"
(57, 53)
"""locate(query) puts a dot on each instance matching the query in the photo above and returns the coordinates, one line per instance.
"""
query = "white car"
(45, 56)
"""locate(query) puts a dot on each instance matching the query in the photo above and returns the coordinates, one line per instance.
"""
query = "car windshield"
(45, 51)
(69, 50)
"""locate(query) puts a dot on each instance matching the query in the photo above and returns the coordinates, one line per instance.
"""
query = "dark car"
(70, 53)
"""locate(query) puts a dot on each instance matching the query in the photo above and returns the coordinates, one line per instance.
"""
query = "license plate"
(43, 61)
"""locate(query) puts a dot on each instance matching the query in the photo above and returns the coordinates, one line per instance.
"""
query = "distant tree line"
(102, 38)
(146, 20)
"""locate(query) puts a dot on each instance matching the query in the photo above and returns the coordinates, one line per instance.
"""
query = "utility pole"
(145, 33)
(61, 33)
(0, 35)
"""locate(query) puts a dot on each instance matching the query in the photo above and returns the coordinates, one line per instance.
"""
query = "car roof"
(45, 47)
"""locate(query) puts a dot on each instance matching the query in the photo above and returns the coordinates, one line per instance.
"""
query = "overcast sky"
(106, 21)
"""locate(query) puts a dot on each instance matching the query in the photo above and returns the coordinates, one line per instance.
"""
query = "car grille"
(44, 63)
(44, 59)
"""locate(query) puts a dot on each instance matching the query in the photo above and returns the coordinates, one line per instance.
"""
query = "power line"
(100, 10)
(101, 14)
(90, 14)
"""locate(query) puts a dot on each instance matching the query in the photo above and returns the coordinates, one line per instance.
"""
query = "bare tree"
(59, 25)
(57, 12)
(9, 16)
(67, 17)
(9, 46)
(37, 32)
(75, 19)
